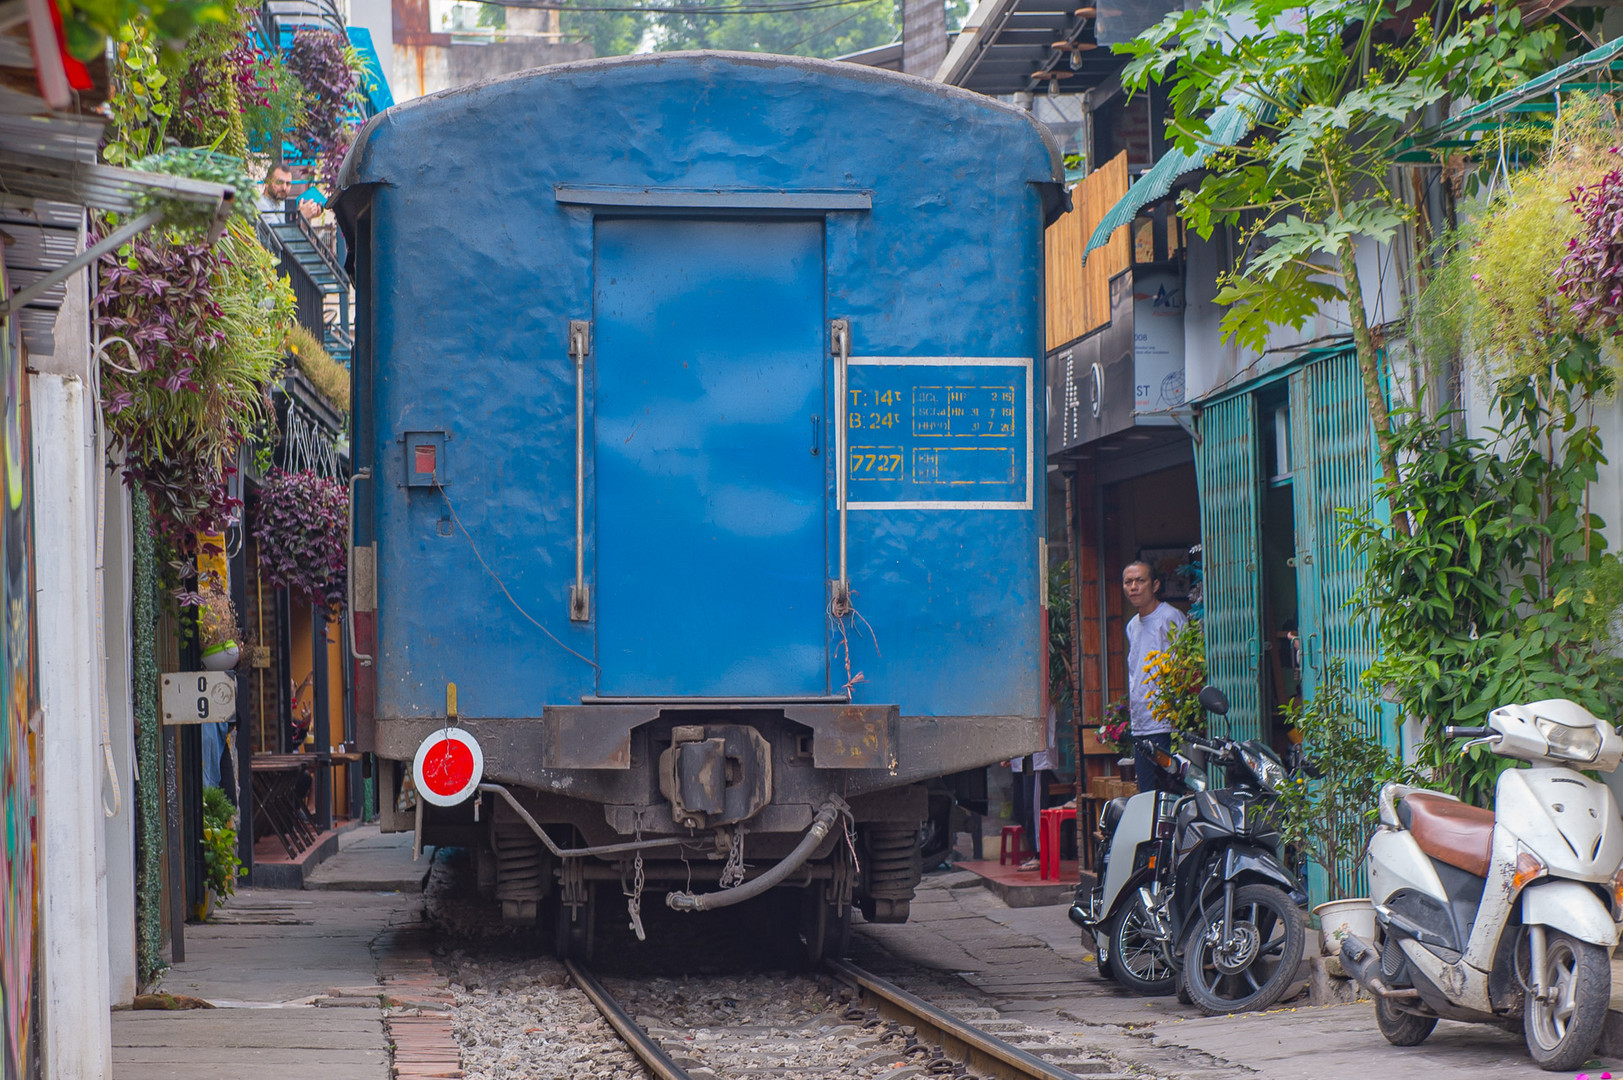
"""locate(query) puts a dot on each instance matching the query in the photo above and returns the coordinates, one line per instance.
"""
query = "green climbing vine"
(149, 787)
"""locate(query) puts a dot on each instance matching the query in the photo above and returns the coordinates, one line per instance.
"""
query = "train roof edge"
(352, 185)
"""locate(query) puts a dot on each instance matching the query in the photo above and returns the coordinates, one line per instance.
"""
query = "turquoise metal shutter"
(1305, 502)
(1227, 465)
(1343, 478)
(1333, 447)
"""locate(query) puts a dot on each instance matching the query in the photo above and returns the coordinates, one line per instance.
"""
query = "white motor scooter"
(1493, 916)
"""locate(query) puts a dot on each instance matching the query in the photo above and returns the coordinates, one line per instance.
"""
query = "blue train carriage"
(620, 323)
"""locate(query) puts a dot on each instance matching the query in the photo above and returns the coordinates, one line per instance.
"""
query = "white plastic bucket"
(1339, 918)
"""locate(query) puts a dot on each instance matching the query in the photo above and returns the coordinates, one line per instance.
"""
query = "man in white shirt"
(1149, 631)
(278, 189)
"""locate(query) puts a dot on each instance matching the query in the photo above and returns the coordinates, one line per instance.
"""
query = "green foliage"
(823, 32)
(1491, 294)
(1330, 819)
(1180, 674)
(827, 32)
(327, 375)
(258, 308)
(1329, 114)
(89, 23)
(194, 338)
(189, 219)
(139, 106)
(276, 106)
(221, 867)
(1061, 646)
(612, 33)
(1504, 591)
(207, 107)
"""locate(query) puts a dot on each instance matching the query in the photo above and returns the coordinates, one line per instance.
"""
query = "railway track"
(881, 1030)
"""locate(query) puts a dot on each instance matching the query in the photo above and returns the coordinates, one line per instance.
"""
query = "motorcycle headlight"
(1270, 773)
(1571, 743)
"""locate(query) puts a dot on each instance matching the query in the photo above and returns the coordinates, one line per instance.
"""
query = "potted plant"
(1116, 729)
(220, 863)
(217, 631)
(301, 527)
(1328, 816)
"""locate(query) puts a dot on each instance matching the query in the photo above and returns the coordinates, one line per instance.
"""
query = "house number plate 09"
(199, 697)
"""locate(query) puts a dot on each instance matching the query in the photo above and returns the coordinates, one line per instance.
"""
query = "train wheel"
(576, 927)
(825, 929)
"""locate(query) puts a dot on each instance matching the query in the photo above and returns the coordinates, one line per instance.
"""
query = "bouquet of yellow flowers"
(1179, 673)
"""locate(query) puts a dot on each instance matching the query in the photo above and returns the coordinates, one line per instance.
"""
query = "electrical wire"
(826, 29)
(685, 9)
(98, 438)
(497, 579)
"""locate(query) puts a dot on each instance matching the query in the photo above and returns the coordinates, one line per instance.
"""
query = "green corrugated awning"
(1549, 82)
(1229, 124)
(1464, 130)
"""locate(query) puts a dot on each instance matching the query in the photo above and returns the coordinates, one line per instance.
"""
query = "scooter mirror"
(1213, 701)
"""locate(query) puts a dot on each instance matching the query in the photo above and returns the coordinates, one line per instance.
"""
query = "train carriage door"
(709, 347)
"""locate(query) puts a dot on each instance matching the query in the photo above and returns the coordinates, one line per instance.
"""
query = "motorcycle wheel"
(1260, 964)
(1101, 949)
(1562, 1032)
(1401, 1028)
(1140, 961)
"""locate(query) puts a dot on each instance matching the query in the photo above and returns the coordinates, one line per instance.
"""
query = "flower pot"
(222, 657)
(1339, 918)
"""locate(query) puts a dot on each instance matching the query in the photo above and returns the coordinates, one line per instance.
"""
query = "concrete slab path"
(1032, 961)
(268, 961)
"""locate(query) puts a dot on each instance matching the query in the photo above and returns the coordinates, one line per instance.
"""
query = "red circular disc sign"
(448, 767)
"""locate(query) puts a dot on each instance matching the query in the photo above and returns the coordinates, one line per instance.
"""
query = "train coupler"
(715, 774)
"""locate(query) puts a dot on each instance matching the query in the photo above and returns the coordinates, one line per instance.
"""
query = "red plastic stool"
(1018, 835)
(1051, 820)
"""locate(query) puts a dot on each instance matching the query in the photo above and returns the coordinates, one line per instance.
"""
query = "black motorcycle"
(1193, 893)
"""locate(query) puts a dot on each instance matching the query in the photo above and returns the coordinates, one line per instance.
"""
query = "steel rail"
(980, 1051)
(649, 1052)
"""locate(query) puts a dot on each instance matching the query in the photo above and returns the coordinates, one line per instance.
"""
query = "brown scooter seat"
(1450, 832)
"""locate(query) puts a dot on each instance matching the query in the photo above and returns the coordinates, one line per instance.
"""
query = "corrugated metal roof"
(1014, 46)
(47, 178)
(1229, 124)
(1465, 128)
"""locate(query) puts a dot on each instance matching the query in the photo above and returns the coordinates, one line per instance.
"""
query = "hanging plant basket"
(221, 657)
(301, 528)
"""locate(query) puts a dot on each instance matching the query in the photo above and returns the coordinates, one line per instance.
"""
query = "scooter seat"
(1111, 814)
(1451, 832)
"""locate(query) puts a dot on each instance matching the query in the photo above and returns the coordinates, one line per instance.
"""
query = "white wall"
(118, 790)
(77, 1031)
(377, 16)
(1211, 366)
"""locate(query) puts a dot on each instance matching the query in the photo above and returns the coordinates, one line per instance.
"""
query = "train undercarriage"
(697, 809)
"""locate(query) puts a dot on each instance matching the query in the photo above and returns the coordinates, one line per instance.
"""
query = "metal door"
(1338, 451)
(1226, 455)
(1304, 504)
(1332, 451)
(710, 478)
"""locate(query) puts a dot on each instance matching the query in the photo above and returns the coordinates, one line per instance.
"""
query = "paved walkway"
(1033, 958)
(292, 975)
(297, 979)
